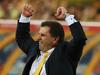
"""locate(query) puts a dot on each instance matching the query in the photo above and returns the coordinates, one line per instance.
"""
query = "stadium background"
(12, 60)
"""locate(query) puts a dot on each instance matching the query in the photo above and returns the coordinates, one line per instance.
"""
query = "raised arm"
(74, 25)
(23, 37)
(79, 38)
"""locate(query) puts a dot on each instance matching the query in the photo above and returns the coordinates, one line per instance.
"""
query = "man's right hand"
(27, 11)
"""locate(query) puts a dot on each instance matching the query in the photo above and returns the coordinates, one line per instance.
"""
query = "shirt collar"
(49, 51)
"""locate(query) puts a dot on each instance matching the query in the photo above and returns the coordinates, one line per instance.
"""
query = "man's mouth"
(40, 43)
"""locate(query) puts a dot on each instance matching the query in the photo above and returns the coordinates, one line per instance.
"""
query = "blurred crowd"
(85, 10)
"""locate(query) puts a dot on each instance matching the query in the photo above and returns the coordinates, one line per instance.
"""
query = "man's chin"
(41, 49)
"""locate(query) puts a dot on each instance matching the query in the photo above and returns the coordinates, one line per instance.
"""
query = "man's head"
(51, 33)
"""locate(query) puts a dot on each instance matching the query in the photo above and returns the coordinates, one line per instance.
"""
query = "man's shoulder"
(63, 44)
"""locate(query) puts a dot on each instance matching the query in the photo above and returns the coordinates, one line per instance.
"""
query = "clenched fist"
(27, 11)
(61, 13)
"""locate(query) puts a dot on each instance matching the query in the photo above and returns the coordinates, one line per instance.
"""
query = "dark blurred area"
(85, 10)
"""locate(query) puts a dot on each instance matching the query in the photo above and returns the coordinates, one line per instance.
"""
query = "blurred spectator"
(4, 9)
(15, 8)
(97, 17)
(88, 13)
(76, 10)
(87, 10)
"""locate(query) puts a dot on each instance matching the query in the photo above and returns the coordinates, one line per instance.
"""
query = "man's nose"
(39, 37)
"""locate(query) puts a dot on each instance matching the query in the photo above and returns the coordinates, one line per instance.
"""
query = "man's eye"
(42, 34)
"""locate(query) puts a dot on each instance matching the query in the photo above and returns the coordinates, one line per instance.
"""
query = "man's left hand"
(60, 13)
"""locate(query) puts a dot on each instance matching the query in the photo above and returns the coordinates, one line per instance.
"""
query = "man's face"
(46, 41)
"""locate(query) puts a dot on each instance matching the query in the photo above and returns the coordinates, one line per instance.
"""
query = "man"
(62, 56)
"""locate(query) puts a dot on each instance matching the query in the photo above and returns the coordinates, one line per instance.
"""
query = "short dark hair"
(56, 29)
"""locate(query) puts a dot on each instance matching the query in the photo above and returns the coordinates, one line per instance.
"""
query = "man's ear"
(56, 39)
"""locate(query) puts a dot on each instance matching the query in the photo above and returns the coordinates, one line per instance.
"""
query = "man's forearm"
(75, 27)
(23, 36)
